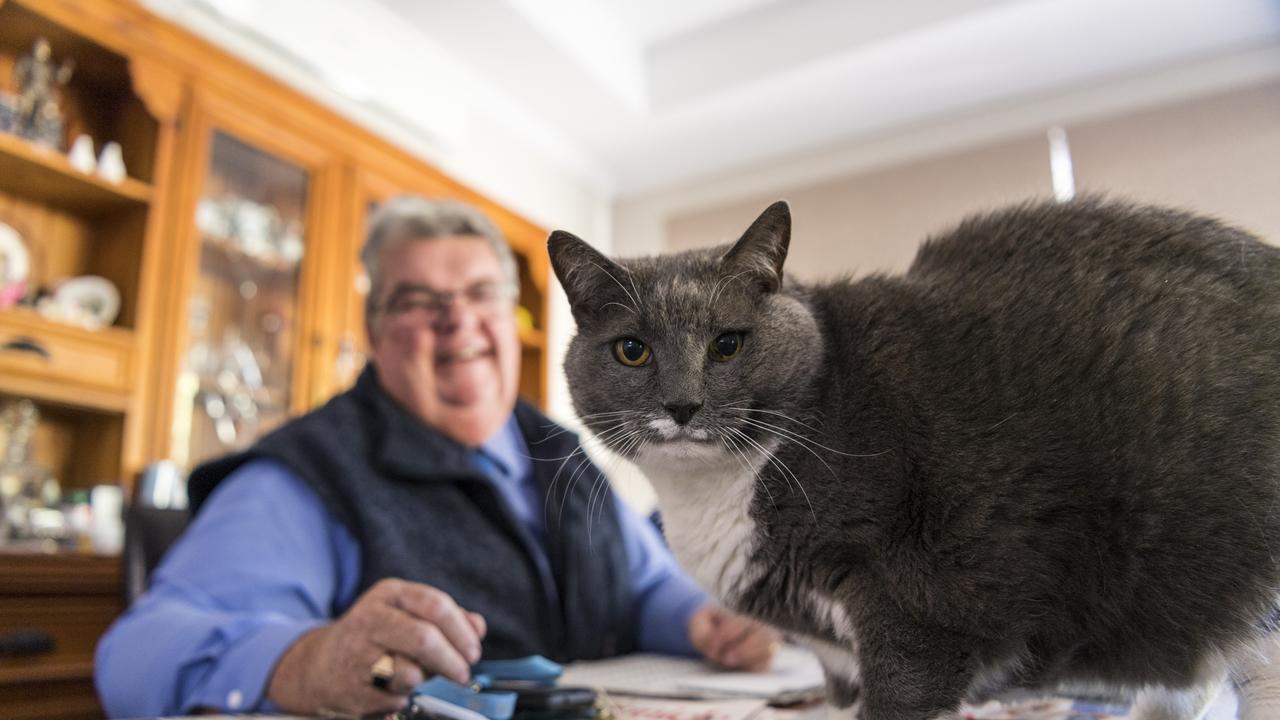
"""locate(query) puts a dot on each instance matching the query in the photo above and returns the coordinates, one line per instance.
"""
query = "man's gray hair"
(409, 217)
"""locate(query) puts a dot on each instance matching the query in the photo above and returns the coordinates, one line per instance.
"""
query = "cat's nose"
(683, 412)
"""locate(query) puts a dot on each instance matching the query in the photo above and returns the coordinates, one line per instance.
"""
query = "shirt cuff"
(665, 616)
(240, 682)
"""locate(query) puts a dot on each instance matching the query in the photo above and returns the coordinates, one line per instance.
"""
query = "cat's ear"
(589, 278)
(762, 249)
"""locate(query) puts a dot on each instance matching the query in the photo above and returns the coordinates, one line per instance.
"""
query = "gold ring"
(384, 668)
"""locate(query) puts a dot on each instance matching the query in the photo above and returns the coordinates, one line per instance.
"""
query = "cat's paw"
(856, 709)
(844, 712)
(842, 693)
(1185, 704)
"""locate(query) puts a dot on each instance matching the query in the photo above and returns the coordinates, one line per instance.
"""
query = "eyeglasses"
(483, 298)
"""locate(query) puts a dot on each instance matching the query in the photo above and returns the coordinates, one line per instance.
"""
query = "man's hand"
(732, 641)
(329, 669)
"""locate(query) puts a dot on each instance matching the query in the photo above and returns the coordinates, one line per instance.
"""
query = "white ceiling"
(662, 91)
(645, 94)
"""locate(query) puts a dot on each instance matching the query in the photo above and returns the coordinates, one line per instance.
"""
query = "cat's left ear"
(589, 278)
(762, 249)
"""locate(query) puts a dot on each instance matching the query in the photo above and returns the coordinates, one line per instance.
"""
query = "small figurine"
(81, 155)
(37, 80)
(111, 163)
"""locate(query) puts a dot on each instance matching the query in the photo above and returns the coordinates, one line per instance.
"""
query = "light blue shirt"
(265, 561)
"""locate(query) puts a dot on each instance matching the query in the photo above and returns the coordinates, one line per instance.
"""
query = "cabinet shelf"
(59, 574)
(46, 176)
(64, 364)
(532, 338)
(224, 258)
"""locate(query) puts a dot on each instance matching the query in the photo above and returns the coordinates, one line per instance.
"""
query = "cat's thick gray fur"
(1049, 452)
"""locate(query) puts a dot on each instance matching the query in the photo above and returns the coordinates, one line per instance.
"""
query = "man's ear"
(590, 279)
(762, 249)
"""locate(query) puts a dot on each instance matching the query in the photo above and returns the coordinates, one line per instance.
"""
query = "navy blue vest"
(420, 512)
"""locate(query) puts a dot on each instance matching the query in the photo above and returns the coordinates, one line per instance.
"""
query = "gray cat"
(1047, 455)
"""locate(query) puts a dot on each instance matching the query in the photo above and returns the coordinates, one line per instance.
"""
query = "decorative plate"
(88, 300)
(14, 260)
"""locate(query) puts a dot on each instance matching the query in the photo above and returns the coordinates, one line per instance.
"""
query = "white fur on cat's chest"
(708, 525)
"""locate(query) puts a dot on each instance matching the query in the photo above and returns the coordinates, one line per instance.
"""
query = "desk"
(1223, 709)
(73, 598)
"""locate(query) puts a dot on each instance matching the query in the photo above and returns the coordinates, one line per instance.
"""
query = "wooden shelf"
(226, 259)
(73, 598)
(533, 338)
(39, 670)
(59, 573)
(46, 176)
(79, 368)
(80, 703)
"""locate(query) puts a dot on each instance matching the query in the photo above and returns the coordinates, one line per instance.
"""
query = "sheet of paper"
(795, 673)
(644, 708)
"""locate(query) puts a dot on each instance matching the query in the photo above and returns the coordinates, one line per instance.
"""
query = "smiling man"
(414, 524)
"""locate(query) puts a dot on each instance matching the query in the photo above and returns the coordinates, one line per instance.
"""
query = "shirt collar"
(507, 450)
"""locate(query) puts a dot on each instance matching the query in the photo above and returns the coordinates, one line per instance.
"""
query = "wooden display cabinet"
(229, 322)
(248, 276)
(87, 384)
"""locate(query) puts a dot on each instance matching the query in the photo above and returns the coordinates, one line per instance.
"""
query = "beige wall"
(1218, 154)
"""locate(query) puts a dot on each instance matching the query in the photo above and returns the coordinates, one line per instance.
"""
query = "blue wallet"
(493, 705)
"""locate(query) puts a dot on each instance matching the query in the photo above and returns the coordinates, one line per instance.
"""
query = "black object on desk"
(25, 642)
(542, 699)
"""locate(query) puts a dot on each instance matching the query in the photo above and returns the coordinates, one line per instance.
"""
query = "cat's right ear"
(590, 279)
(762, 249)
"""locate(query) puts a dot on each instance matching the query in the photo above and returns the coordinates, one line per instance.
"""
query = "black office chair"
(148, 533)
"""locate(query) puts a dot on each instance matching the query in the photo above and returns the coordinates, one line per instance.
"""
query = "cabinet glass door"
(238, 365)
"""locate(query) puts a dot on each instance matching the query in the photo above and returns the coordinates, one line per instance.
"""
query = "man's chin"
(471, 432)
(472, 418)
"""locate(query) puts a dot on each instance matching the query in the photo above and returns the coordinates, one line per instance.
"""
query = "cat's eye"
(726, 346)
(631, 352)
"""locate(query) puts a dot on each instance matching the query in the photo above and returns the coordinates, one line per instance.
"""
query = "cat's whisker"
(775, 412)
(778, 463)
(580, 450)
(565, 430)
(602, 478)
(801, 438)
(551, 487)
(635, 303)
(603, 486)
(632, 277)
(802, 445)
(552, 436)
(607, 414)
(584, 418)
(623, 441)
(601, 481)
(604, 438)
(588, 421)
(739, 434)
(624, 307)
(623, 437)
(723, 283)
(741, 457)
(993, 427)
